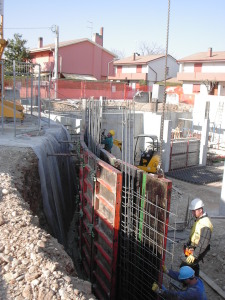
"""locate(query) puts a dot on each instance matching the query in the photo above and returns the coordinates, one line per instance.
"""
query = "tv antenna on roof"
(91, 27)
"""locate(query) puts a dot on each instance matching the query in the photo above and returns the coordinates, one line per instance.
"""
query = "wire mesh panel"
(143, 232)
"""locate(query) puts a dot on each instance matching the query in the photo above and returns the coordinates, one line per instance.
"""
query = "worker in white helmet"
(194, 287)
(198, 243)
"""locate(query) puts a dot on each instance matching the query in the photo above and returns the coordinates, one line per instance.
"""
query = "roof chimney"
(40, 42)
(134, 55)
(101, 32)
(210, 52)
(98, 37)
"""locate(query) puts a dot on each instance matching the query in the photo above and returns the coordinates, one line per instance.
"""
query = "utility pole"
(55, 29)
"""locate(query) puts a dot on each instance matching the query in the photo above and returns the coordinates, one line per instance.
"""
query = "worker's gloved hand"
(190, 259)
(155, 288)
(165, 270)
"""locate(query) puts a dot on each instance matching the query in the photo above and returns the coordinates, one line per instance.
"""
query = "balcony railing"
(198, 76)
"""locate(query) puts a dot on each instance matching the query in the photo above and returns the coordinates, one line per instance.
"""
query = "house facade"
(203, 73)
(149, 68)
(81, 59)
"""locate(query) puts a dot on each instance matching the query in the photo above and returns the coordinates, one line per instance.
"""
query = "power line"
(28, 28)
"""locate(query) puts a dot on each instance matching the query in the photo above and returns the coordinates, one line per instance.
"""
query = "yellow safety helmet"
(112, 132)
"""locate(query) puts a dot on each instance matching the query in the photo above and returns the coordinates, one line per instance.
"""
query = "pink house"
(81, 59)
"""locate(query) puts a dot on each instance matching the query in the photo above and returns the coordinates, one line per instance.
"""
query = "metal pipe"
(2, 91)
(39, 100)
(14, 96)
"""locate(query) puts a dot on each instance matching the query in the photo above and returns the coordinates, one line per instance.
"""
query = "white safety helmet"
(196, 204)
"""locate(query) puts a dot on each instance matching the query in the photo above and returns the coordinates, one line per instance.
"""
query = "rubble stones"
(33, 265)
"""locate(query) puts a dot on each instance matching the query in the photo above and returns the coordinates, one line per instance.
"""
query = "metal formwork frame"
(125, 265)
(145, 210)
(100, 194)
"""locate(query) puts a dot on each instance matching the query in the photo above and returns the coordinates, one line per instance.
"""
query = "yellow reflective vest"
(200, 223)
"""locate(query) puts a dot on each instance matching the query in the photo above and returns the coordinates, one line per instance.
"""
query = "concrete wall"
(216, 112)
(69, 122)
(115, 121)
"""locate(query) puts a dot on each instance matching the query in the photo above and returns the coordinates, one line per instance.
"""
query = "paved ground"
(198, 174)
(214, 262)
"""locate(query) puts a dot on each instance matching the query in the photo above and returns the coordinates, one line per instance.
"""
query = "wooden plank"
(212, 284)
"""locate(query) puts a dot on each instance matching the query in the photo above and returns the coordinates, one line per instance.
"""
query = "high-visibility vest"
(195, 234)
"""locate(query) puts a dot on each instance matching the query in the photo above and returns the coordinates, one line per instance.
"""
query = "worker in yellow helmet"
(108, 140)
(198, 243)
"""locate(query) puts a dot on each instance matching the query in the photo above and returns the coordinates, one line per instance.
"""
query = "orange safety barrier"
(74, 89)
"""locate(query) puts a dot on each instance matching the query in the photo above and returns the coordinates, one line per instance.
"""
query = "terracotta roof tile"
(138, 59)
(67, 43)
(204, 56)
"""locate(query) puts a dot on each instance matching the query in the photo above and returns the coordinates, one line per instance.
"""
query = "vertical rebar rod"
(2, 93)
(39, 98)
(164, 95)
(14, 96)
(49, 100)
(32, 95)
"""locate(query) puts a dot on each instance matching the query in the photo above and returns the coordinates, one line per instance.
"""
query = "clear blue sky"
(195, 25)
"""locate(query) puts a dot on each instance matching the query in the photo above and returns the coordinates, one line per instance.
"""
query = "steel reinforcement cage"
(124, 214)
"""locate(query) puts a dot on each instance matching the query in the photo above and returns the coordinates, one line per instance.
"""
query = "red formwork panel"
(101, 190)
(156, 202)
(86, 209)
(107, 205)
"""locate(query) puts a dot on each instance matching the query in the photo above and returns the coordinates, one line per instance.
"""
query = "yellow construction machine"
(146, 152)
(8, 106)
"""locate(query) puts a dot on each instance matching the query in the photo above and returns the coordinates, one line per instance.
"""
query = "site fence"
(20, 95)
(72, 89)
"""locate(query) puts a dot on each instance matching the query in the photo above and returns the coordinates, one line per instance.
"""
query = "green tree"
(16, 50)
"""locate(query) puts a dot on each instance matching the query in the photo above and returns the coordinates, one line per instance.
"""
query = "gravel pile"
(33, 265)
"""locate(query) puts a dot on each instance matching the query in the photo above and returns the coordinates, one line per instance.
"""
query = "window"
(139, 69)
(119, 69)
(198, 67)
(196, 88)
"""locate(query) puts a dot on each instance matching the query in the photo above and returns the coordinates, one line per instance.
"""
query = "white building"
(149, 69)
(203, 73)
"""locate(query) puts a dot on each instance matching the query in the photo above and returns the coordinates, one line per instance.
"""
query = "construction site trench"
(38, 243)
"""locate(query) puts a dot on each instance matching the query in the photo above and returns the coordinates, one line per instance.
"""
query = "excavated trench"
(28, 184)
(49, 182)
